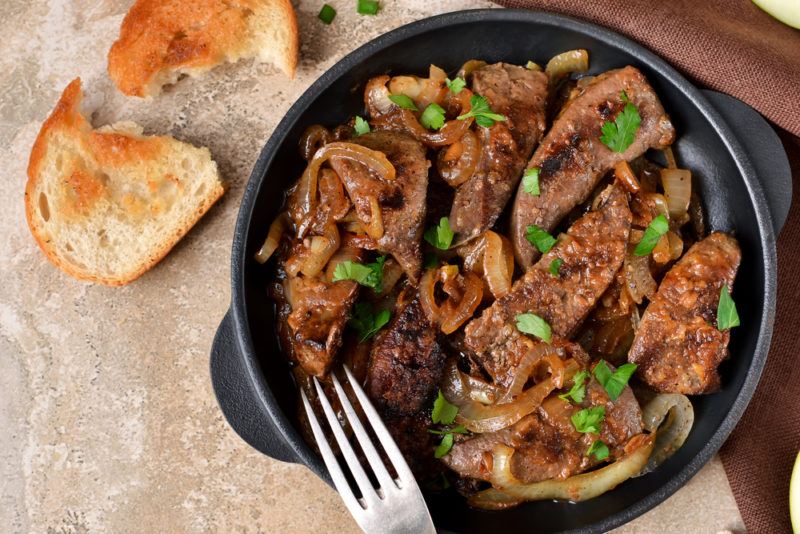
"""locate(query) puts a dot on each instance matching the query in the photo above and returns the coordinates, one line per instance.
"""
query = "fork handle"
(237, 398)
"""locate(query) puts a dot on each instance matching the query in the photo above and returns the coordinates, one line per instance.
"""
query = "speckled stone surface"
(108, 420)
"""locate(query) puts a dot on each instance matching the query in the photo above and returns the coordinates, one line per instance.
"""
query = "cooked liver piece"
(678, 346)
(314, 321)
(406, 362)
(546, 443)
(572, 159)
(591, 252)
(402, 201)
(519, 94)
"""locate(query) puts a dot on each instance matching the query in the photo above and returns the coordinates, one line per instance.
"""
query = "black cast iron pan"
(746, 188)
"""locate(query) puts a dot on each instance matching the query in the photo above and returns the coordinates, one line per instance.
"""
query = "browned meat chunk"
(410, 432)
(312, 314)
(572, 159)
(677, 346)
(546, 443)
(406, 362)
(402, 202)
(591, 252)
(520, 95)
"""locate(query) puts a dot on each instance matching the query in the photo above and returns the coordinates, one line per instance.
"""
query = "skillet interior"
(731, 194)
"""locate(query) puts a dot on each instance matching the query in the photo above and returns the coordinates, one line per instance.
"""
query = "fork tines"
(396, 505)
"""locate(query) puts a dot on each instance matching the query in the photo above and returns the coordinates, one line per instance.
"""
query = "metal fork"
(396, 505)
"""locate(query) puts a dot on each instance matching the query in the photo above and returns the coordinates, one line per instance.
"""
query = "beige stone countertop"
(109, 422)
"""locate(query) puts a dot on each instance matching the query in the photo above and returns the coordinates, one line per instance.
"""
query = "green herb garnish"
(404, 102)
(366, 322)
(327, 13)
(444, 446)
(530, 181)
(588, 420)
(555, 266)
(657, 227)
(369, 275)
(456, 85)
(727, 316)
(361, 126)
(440, 236)
(482, 113)
(539, 238)
(530, 323)
(619, 135)
(443, 412)
(578, 390)
(367, 7)
(599, 449)
(613, 382)
(532, 65)
(433, 117)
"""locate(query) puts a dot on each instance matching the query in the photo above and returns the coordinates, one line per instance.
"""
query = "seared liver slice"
(572, 159)
(678, 346)
(592, 252)
(402, 201)
(312, 327)
(520, 94)
(406, 362)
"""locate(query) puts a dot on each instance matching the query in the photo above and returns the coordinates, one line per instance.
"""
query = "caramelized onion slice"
(373, 159)
(276, 230)
(374, 228)
(661, 250)
(303, 198)
(539, 353)
(576, 488)
(376, 96)
(669, 155)
(457, 163)
(670, 417)
(333, 198)
(423, 91)
(470, 66)
(677, 190)
(626, 176)
(314, 254)
(313, 139)
(464, 294)
(565, 63)
(477, 417)
(452, 131)
(493, 499)
(460, 388)
(675, 245)
(498, 264)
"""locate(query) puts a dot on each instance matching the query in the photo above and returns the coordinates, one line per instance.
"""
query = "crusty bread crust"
(108, 150)
(161, 39)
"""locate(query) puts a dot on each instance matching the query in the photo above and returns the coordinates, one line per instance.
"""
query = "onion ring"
(575, 488)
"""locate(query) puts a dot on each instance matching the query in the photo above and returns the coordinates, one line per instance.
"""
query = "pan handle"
(234, 391)
(765, 150)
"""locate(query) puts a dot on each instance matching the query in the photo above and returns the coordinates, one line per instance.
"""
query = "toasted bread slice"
(161, 39)
(106, 205)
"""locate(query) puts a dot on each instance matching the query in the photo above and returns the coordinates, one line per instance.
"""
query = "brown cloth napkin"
(734, 47)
